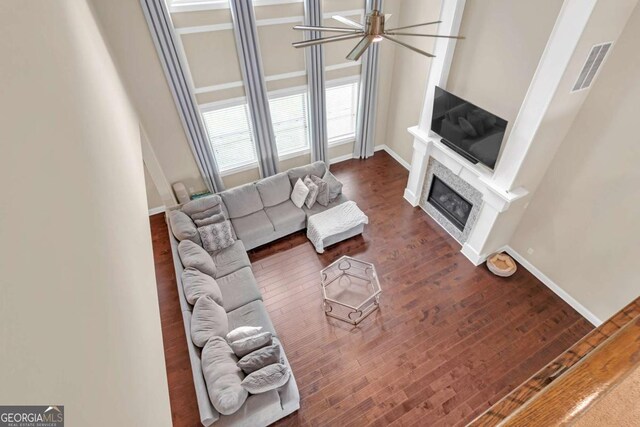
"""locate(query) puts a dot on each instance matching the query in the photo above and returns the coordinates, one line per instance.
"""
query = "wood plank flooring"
(449, 340)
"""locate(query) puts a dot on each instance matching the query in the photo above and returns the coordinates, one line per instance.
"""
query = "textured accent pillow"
(219, 217)
(335, 186)
(323, 190)
(243, 332)
(196, 284)
(195, 256)
(260, 358)
(183, 228)
(467, 128)
(216, 236)
(268, 378)
(208, 320)
(247, 345)
(222, 376)
(313, 192)
(299, 193)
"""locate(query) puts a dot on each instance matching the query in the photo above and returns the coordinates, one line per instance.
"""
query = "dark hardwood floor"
(449, 340)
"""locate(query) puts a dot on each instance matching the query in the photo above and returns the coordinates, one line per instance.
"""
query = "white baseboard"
(340, 159)
(157, 210)
(554, 287)
(395, 156)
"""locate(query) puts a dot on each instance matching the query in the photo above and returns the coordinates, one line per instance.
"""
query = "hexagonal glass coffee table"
(350, 289)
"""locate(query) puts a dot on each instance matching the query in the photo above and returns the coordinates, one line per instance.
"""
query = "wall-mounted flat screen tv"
(472, 132)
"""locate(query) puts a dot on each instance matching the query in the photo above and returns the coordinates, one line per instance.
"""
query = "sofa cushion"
(230, 259)
(196, 284)
(299, 193)
(253, 227)
(238, 289)
(242, 332)
(249, 344)
(317, 168)
(251, 314)
(242, 201)
(195, 256)
(317, 208)
(335, 186)
(323, 190)
(183, 228)
(260, 358)
(213, 219)
(222, 376)
(274, 189)
(268, 378)
(216, 236)
(202, 207)
(207, 320)
(286, 216)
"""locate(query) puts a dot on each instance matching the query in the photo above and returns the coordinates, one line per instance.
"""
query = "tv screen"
(472, 132)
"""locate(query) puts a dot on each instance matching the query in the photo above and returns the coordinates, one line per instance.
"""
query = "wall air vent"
(591, 66)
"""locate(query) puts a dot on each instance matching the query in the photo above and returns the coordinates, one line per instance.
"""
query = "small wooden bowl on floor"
(501, 265)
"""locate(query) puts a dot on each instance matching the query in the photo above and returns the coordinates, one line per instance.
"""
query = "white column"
(418, 169)
(451, 16)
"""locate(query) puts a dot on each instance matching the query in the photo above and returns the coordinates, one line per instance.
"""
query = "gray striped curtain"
(316, 86)
(161, 28)
(366, 119)
(244, 24)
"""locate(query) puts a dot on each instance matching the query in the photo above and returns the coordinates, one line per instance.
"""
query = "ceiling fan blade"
(326, 40)
(415, 49)
(415, 25)
(327, 29)
(348, 22)
(360, 48)
(387, 16)
(393, 33)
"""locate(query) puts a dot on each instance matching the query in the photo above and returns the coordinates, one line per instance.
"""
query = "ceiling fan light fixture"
(377, 38)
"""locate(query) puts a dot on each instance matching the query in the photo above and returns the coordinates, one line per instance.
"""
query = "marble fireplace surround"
(475, 182)
(437, 169)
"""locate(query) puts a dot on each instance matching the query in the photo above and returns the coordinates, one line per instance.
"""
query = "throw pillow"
(335, 186)
(196, 257)
(299, 193)
(268, 378)
(243, 332)
(260, 358)
(222, 376)
(208, 320)
(313, 192)
(219, 217)
(467, 128)
(216, 236)
(196, 284)
(247, 345)
(183, 228)
(323, 190)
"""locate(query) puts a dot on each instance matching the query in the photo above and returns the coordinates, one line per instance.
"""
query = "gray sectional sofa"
(259, 212)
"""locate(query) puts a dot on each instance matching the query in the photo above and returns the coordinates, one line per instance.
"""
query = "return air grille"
(591, 67)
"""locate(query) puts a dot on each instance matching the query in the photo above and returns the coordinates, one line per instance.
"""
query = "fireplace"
(449, 203)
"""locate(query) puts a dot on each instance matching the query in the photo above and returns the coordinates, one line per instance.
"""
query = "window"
(290, 123)
(231, 137)
(342, 107)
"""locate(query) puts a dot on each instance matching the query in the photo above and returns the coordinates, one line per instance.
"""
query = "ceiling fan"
(372, 31)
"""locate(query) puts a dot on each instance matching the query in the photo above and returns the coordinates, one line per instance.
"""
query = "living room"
(429, 219)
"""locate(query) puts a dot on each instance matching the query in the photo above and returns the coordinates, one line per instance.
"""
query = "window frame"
(342, 82)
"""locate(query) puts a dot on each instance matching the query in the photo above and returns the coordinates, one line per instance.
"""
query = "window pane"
(290, 125)
(342, 106)
(230, 136)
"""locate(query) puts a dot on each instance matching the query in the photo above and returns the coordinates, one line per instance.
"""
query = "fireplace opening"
(449, 203)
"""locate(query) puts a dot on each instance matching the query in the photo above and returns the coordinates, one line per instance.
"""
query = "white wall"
(79, 318)
(582, 223)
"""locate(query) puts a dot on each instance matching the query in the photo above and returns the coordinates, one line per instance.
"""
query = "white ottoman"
(335, 225)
